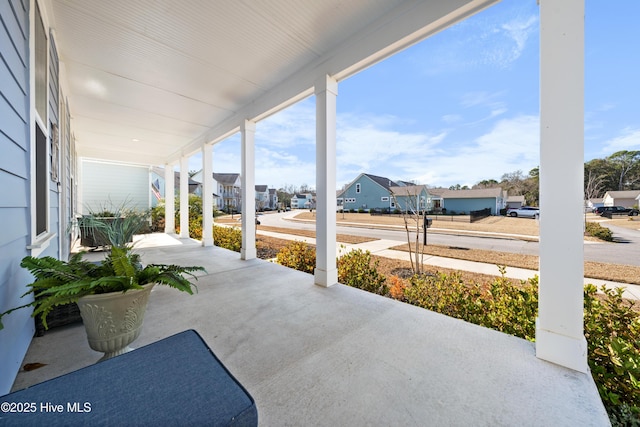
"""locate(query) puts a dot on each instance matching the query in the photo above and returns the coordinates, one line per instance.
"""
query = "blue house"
(367, 192)
(459, 201)
(411, 198)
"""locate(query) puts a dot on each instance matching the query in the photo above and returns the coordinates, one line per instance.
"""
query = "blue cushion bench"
(175, 381)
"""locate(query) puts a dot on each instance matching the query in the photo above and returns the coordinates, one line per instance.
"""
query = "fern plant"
(62, 282)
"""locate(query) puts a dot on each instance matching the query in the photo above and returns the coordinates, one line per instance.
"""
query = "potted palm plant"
(112, 294)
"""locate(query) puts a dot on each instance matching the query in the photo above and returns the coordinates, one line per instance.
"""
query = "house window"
(384, 199)
(357, 187)
(41, 181)
(393, 205)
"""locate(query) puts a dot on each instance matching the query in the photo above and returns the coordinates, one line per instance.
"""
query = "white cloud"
(289, 128)
(512, 144)
(496, 38)
(376, 144)
(451, 118)
(628, 140)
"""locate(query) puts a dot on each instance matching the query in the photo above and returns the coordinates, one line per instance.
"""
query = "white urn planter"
(114, 320)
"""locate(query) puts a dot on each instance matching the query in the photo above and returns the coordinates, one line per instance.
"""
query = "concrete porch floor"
(341, 356)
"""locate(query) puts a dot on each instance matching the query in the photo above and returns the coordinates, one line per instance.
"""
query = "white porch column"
(559, 333)
(169, 199)
(207, 195)
(248, 179)
(326, 272)
(184, 197)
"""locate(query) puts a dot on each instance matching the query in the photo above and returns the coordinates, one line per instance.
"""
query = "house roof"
(381, 180)
(261, 188)
(438, 192)
(480, 193)
(151, 82)
(408, 190)
(628, 194)
(226, 178)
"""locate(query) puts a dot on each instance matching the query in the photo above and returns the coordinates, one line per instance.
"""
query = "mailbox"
(427, 222)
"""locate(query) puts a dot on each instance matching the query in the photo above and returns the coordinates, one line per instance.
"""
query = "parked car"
(617, 210)
(524, 212)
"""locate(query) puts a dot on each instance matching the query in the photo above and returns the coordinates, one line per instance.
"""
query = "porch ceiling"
(150, 81)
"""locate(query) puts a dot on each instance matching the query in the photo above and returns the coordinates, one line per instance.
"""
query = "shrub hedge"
(596, 230)
(227, 237)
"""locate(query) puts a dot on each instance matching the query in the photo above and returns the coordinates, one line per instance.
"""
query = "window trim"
(39, 241)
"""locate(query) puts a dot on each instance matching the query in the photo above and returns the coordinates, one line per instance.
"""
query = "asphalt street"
(626, 249)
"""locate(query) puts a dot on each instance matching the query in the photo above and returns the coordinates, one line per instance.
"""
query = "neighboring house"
(228, 190)
(437, 202)
(367, 192)
(474, 200)
(628, 199)
(594, 203)
(158, 184)
(377, 192)
(411, 198)
(303, 201)
(273, 198)
(262, 197)
(514, 202)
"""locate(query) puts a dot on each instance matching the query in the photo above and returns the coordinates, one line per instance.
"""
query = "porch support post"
(184, 197)
(207, 195)
(326, 272)
(559, 332)
(169, 199)
(248, 180)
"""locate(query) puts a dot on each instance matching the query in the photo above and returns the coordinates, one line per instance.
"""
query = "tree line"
(617, 172)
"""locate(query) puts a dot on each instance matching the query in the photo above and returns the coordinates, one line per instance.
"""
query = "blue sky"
(459, 107)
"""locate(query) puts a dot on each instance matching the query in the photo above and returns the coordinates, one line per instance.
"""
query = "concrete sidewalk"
(382, 247)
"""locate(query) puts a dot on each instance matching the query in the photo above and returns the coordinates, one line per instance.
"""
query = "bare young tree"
(593, 184)
(413, 211)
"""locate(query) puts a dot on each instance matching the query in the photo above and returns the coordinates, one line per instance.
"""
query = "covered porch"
(156, 85)
(341, 356)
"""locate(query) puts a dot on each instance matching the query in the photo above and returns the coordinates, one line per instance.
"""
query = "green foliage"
(596, 230)
(157, 217)
(298, 255)
(116, 224)
(62, 282)
(195, 227)
(227, 237)
(355, 269)
(612, 330)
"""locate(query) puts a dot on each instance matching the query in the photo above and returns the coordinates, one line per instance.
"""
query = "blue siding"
(8, 163)
(369, 197)
(14, 178)
(466, 205)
